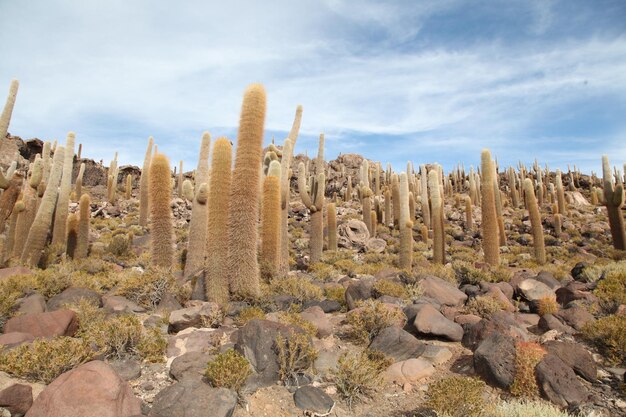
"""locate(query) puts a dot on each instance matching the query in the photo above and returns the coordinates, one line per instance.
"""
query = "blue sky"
(429, 81)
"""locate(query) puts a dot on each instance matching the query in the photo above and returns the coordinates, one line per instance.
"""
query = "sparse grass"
(527, 356)
(322, 271)
(370, 318)
(299, 288)
(295, 354)
(483, 306)
(148, 289)
(359, 376)
(228, 370)
(336, 293)
(387, 287)
(152, 346)
(608, 335)
(248, 313)
(611, 291)
(527, 408)
(457, 396)
(294, 318)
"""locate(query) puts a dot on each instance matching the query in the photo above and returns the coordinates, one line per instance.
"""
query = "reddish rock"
(14, 270)
(56, 323)
(17, 398)
(12, 339)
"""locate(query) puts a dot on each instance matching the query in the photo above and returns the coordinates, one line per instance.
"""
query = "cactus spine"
(162, 254)
(331, 218)
(196, 245)
(489, 220)
(82, 238)
(143, 185)
(5, 118)
(218, 203)
(270, 221)
(43, 219)
(613, 200)
(59, 234)
(244, 196)
(434, 185)
(405, 225)
(535, 222)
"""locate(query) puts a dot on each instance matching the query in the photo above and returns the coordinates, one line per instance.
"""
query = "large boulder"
(55, 323)
(194, 398)
(442, 291)
(533, 290)
(93, 389)
(316, 316)
(17, 398)
(358, 290)
(501, 321)
(194, 316)
(73, 296)
(429, 321)
(575, 316)
(558, 383)
(313, 401)
(397, 344)
(575, 356)
(352, 234)
(409, 371)
(189, 365)
(494, 360)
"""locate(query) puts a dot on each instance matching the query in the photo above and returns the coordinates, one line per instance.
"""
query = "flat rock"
(32, 304)
(193, 316)
(12, 271)
(397, 344)
(442, 291)
(428, 320)
(55, 323)
(13, 339)
(93, 389)
(575, 317)
(194, 398)
(437, 354)
(189, 365)
(192, 340)
(494, 360)
(313, 400)
(409, 371)
(550, 322)
(358, 290)
(533, 290)
(73, 295)
(119, 304)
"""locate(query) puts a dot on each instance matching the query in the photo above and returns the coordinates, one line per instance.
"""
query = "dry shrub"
(527, 356)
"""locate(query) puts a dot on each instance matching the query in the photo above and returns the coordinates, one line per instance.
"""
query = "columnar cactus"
(498, 196)
(216, 276)
(78, 188)
(439, 254)
(469, 219)
(143, 185)
(5, 118)
(405, 225)
(8, 199)
(43, 219)
(196, 244)
(18, 208)
(395, 196)
(72, 234)
(181, 178)
(161, 233)
(373, 222)
(314, 201)
(560, 194)
(59, 235)
(613, 200)
(244, 196)
(535, 222)
(489, 224)
(388, 211)
(82, 238)
(558, 224)
(424, 195)
(348, 196)
(112, 181)
(513, 187)
(128, 188)
(270, 221)
(366, 195)
(331, 218)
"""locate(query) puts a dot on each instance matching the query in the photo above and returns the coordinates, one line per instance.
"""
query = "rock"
(13, 339)
(194, 398)
(575, 356)
(548, 279)
(352, 234)
(92, 390)
(467, 319)
(409, 371)
(327, 306)
(442, 291)
(573, 291)
(189, 365)
(193, 340)
(578, 272)
(497, 294)
(194, 316)
(501, 321)
(56, 323)
(397, 344)
(119, 304)
(375, 245)
(73, 296)
(317, 317)
(437, 354)
(549, 322)
(575, 316)
(12, 271)
(358, 291)
(558, 382)
(430, 321)
(533, 290)
(313, 401)
(17, 398)
(32, 304)
(127, 369)
(494, 360)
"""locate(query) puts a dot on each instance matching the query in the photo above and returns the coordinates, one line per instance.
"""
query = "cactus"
(161, 252)
(348, 196)
(535, 222)
(331, 218)
(613, 200)
(439, 254)
(315, 203)
(270, 221)
(513, 187)
(388, 211)
(498, 196)
(489, 219)
(143, 185)
(43, 219)
(128, 190)
(244, 196)
(198, 225)
(405, 225)
(5, 118)
(373, 222)
(558, 224)
(8, 199)
(395, 196)
(366, 194)
(218, 204)
(181, 179)
(469, 219)
(59, 235)
(72, 234)
(78, 189)
(18, 208)
(112, 181)
(424, 196)
(560, 195)
(82, 236)
(80, 151)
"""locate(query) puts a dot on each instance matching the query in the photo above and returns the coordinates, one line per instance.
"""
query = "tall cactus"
(560, 194)
(270, 221)
(395, 197)
(216, 276)
(43, 219)
(331, 218)
(315, 203)
(143, 185)
(388, 210)
(489, 225)
(79, 181)
(613, 200)
(366, 195)
(244, 196)
(405, 225)
(469, 220)
(424, 196)
(82, 238)
(72, 234)
(535, 222)
(161, 233)
(436, 200)
(5, 118)
(59, 234)
(196, 244)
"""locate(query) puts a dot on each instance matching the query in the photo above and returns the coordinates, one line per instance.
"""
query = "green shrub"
(611, 291)
(457, 396)
(322, 271)
(45, 359)
(228, 370)
(609, 337)
(372, 317)
(295, 354)
(359, 376)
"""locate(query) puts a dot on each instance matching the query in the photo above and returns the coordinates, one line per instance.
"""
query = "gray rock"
(195, 316)
(313, 400)
(17, 398)
(73, 296)
(533, 290)
(575, 356)
(127, 369)
(358, 291)
(34, 303)
(397, 344)
(429, 321)
(494, 360)
(549, 322)
(194, 398)
(575, 316)
(501, 321)
(119, 304)
(558, 383)
(316, 316)
(442, 291)
(189, 365)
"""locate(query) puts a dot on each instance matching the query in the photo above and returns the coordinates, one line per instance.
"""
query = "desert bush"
(295, 354)
(248, 313)
(346, 266)
(119, 245)
(336, 293)
(547, 305)
(527, 408)
(527, 356)
(299, 288)
(228, 370)
(467, 273)
(441, 271)
(608, 335)
(457, 396)
(370, 318)
(611, 291)
(45, 359)
(322, 271)
(294, 318)
(387, 287)
(148, 289)
(359, 376)
(152, 346)
(483, 306)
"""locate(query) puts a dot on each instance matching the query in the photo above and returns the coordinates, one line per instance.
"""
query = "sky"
(426, 81)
